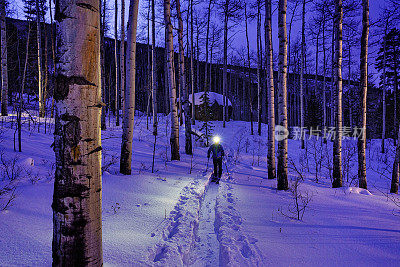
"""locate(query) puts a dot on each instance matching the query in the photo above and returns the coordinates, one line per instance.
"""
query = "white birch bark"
(117, 89)
(39, 60)
(122, 59)
(128, 120)
(174, 139)
(282, 95)
(303, 40)
(4, 69)
(77, 138)
(362, 172)
(282, 174)
(186, 106)
(337, 142)
(270, 90)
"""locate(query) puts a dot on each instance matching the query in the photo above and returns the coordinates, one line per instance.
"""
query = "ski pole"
(205, 172)
(227, 170)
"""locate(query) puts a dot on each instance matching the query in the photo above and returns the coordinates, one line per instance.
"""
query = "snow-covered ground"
(175, 217)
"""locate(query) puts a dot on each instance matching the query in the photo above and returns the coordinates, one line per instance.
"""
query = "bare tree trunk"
(186, 106)
(4, 69)
(224, 74)
(296, 3)
(337, 142)
(21, 93)
(271, 91)
(117, 89)
(248, 72)
(174, 139)
(53, 50)
(122, 59)
(102, 6)
(333, 75)
(395, 174)
(361, 142)
(46, 70)
(39, 60)
(148, 74)
(207, 37)
(282, 95)
(191, 63)
(303, 40)
(384, 98)
(324, 70)
(259, 66)
(154, 78)
(129, 115)
(77, 143)
(316, 64)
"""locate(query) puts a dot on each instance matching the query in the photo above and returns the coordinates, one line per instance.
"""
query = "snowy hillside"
(175, 216)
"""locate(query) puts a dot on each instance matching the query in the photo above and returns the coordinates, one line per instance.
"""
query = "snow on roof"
(214, 97)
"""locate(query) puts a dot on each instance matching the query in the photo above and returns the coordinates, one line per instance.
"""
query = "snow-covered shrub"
(349, 160)
(238, 142)
(109, 160)
(317, 152)
(10, 174)
(301, 199)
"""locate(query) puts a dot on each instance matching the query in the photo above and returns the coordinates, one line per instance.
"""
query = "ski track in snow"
(206, 250)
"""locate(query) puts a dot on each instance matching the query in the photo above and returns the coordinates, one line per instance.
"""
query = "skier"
(217, 154)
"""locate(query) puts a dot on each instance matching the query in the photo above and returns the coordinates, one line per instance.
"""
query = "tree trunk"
(224, 74)
(384, 98)
(186, 106)
(361, 142)
(395, 174)
(248, 73)
(21, 93)
(303, 40)
(4, 69)
(77, 143)
(174, 139)
(102, 5)
(39, 60)
(154, 78)
(324, 71)
(333, 75)
(46, 70)
(282, 95)
(117, 89)
(337, 142)
(315, 91)
(207, 37)
(122, 59)
(53, 50)
(259, 66)
(191, 63)
(271, 91)
(129, 115)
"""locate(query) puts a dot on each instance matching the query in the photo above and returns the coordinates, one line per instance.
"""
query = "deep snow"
(175, 217)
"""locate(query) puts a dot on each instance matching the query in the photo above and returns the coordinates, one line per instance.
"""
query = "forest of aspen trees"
(301, 96)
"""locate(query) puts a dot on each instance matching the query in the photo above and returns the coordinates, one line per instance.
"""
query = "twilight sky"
(239, 40)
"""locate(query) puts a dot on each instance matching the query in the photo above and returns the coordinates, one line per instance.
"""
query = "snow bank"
(236, 249)
(180, 234)
(357, 190)
(214, 97)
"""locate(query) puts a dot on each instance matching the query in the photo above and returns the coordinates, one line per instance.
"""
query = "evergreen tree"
(392, 66)
(206, 115)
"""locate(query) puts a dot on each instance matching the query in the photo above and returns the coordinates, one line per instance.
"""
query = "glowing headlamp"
(216, 139)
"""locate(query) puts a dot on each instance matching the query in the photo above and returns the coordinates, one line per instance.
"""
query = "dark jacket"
(217, 151)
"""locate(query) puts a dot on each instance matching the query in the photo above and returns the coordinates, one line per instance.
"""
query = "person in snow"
(218, 153)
